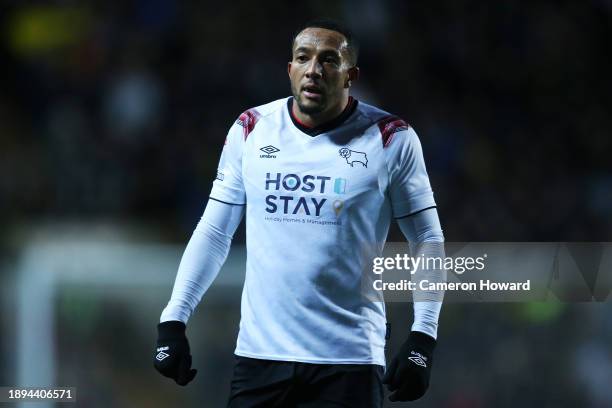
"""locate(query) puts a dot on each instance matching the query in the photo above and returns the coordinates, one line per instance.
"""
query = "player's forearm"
(428, 303)
(424, 232)
(204, 256)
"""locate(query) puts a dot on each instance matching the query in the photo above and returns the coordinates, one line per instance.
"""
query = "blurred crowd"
(118, 111)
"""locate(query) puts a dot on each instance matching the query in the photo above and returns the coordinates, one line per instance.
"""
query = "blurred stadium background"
(112, 118)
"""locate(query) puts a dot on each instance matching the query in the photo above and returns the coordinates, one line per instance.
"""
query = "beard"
(310, 108)
(306, 106)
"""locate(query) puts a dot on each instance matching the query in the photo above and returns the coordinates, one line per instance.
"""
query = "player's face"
(320, 70)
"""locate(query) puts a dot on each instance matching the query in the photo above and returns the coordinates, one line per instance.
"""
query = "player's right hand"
(172, 356)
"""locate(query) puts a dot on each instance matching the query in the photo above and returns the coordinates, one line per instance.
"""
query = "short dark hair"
(333, 25)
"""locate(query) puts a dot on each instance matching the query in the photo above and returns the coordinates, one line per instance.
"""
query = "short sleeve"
(228, 186)
(409, 188)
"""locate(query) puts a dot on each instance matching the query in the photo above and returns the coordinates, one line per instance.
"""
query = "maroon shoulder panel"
(247, 120)
(388, 126)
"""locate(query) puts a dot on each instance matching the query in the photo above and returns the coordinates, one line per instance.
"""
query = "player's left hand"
(408, 374)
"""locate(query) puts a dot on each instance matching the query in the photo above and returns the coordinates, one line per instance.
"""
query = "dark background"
(115, 113)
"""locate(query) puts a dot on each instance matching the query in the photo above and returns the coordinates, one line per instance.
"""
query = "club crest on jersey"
(269, 152)
(353, 156)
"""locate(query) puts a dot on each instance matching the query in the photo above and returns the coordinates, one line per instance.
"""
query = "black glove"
(408, 374)
(172, 357)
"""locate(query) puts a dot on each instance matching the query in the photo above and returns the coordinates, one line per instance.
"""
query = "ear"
(289, 68)
(353, 75)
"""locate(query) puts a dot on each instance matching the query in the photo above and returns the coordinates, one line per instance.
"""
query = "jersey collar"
(325, 127)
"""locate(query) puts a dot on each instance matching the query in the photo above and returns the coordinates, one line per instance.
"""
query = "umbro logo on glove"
(407, 376)
(418, 359)
(173, 358)
(161, 355)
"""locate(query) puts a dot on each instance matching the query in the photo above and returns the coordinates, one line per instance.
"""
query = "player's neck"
(318, 119)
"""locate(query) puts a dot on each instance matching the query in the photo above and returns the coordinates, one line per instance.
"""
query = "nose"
(315, 69)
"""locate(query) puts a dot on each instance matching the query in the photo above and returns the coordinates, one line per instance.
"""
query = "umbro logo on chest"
(269, 151)
(352, 157)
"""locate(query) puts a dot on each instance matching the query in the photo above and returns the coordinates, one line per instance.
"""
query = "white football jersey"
(313, 197)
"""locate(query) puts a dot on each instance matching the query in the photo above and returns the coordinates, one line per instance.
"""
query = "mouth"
(312, 91)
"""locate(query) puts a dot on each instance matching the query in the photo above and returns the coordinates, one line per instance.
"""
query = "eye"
(301, 58)
(330, 60)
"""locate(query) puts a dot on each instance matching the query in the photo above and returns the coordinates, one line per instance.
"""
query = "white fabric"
(203, 257)
(315, 214)
(423, 231)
